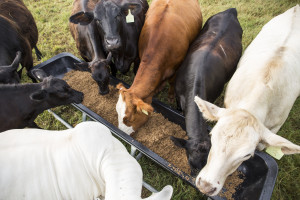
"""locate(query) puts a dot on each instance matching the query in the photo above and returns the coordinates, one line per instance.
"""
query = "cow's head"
(108, 17)
(8, 74)
(133, 112)
(54, 91)
(234, 139)
(100, 72)
(164, 194)
(196, 152)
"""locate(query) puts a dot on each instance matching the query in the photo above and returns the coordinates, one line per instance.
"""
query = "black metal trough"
(260, 172)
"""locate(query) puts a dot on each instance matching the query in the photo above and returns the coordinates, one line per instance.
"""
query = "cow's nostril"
(209, 193)
(112, 41)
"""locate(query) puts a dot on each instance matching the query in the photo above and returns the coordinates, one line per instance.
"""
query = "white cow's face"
(234, 139)
(121, 109)
(132, 111)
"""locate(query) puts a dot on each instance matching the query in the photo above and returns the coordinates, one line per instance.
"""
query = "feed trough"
(259, 172)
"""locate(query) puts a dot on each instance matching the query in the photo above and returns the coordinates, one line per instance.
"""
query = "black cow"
(18, 32)
(102, 26)
(210, 62)
(22, 103)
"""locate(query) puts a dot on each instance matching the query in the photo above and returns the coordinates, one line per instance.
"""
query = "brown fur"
(22, 20)
(275, 63)
(82, 46)
(170, 26)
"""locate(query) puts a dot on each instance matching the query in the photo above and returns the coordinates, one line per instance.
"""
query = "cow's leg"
(96, 43)
(171, 92)
(136, 65)
(113, 68)
(178, 105)
(38, 53)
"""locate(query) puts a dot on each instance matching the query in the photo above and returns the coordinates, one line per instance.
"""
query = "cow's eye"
(119, 15)
(248, 155)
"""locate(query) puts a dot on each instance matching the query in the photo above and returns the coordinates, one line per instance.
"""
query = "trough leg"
(60, 119)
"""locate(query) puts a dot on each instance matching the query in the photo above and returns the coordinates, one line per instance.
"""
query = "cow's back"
(23, 22)
(170, 25)
(16, 11)
(212, 58)
(267, 79)
(58, 164)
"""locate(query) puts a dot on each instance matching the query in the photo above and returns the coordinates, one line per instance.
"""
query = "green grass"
(54, 37)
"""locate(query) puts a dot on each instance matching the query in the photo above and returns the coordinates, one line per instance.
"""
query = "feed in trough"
(155, 134)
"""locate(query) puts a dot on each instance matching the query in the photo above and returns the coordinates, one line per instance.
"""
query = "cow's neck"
(147, 82)
(256, 106)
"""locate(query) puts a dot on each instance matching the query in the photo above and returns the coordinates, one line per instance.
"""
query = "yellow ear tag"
(19, 68)
(145, 112)
(275, 152)
(129, 17)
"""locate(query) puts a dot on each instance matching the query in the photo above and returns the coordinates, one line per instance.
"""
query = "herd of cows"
(165, 42)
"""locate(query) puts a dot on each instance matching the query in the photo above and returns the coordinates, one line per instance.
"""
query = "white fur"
(121, 109)
(258, 100)
(81, 163)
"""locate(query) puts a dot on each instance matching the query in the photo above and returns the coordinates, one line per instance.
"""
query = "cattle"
(85, 162)
(22, 103)
(170, 26)
(102, 26)
(18, 32)
(258, 99)
(210, 62)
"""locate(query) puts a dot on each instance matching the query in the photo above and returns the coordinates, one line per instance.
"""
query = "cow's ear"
(83, 66)
(82, 18)
(38, 96)
(135, 8)
(209, 111)
(120, 86)
(178, 142)
(143, 107)
(271, 139)
(15, 64)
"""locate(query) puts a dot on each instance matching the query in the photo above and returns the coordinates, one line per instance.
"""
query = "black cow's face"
(100, 73)
(56, 92)
(196, 152)
(108, 17)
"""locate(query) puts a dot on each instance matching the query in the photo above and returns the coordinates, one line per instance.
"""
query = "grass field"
(54, 37)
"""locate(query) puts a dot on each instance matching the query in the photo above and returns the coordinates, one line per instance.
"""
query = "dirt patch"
(155, 134)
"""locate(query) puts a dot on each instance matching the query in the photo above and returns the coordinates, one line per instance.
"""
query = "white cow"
(258, 100)
(81, 163)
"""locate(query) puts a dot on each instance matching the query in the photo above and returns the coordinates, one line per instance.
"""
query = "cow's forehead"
(108, 6)
(236, 130)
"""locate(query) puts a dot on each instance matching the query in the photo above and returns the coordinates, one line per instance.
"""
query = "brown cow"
(18, 32)
(170, 26)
